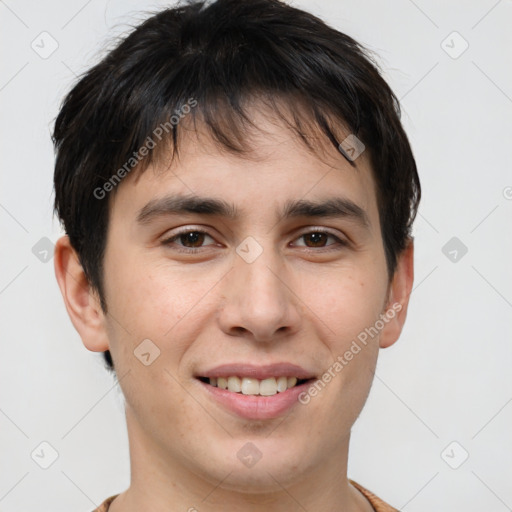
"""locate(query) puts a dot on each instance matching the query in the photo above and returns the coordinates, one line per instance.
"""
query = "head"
(274, 140)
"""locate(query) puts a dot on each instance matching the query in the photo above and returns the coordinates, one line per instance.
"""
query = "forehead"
(277, 169)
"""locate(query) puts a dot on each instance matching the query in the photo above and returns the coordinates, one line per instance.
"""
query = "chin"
(259, 464)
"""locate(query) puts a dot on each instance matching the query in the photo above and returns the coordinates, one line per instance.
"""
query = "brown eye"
(317, 239)
(192, 238)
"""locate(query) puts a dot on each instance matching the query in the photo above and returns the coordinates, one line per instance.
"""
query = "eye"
(189, 240)
(193, 240)
(318, 239)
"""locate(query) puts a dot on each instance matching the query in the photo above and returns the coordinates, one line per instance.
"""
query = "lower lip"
(256, 407)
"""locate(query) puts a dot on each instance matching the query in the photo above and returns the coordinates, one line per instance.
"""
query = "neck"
(162, 483)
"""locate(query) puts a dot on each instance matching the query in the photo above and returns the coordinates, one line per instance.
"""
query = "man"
(238, 196)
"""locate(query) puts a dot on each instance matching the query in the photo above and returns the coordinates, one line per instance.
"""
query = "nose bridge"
(258, 300)
(260, 280)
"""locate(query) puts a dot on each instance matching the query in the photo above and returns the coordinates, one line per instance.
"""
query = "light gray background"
(449, 376)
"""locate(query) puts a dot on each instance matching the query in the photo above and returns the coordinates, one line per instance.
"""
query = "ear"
(82, 302)
(398, 297)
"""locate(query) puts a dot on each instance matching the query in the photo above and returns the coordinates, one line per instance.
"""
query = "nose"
(259, 302)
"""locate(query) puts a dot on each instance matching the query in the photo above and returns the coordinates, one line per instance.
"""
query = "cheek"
(156, 302)
(145, 296)
(151, 303)
(347, 302)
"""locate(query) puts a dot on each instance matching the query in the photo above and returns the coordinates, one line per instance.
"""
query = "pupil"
(192, 238)
(317, 238)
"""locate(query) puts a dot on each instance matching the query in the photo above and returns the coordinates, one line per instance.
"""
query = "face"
(265, 290)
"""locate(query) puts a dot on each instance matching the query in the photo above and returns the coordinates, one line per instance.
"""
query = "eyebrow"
(333, 207)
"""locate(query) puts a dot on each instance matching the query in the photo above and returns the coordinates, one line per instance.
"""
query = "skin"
(297, 302)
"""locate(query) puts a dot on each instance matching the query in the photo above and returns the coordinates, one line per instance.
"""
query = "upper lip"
(257, 372)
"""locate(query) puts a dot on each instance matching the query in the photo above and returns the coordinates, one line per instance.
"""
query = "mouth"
(254, 387)
(255, 392)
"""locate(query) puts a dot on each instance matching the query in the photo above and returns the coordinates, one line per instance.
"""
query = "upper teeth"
(250, 386)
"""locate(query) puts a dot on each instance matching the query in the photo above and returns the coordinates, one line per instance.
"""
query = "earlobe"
(398, 300)
(81, 301)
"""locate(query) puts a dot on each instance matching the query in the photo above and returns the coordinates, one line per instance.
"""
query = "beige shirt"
(377, 504)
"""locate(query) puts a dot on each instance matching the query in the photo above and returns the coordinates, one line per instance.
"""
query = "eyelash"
(194, 250)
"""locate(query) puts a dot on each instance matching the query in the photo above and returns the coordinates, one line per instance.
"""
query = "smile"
(252, 386)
